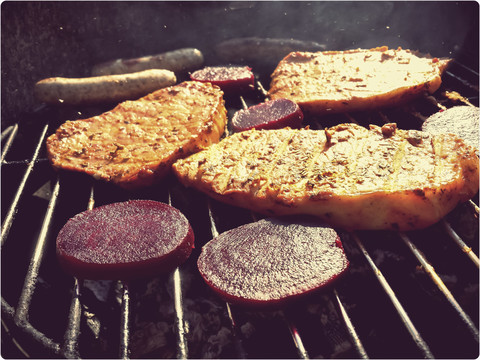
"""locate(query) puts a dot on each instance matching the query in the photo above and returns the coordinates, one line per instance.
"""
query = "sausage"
(177, 60)
(262, 50)
(102, 89)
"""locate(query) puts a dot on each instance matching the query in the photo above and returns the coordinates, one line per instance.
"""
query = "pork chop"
(136, 143)
(354, 80)
(350, 177)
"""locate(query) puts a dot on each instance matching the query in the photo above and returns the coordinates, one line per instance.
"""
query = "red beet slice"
(273, 114)
(125, 240)
(272, 261)
(231, 79)
(462, 121)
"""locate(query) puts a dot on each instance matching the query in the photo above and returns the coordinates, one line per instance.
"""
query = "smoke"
(438, 27)
(45, 39)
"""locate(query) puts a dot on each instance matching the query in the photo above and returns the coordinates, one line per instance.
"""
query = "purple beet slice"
(272, 261)
(462, 121)
(125, 240)
(273, 114)
(231, 79)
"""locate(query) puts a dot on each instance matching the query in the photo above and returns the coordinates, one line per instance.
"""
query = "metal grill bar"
(302, 352)
(73, 329)
(70, 346)
(238, 344)
(7, 222)
(261, 88)
(436, 279)
(213, 227)
(458, 240)
(182, 347)
(124, 323)
(350, 328)
(421, 344)
(7, 131)
(473, 72)
(7, 331)
(12, 130)
(30, 330)
(20, 314)
(32, 274)
(474, 206)
(462, 80)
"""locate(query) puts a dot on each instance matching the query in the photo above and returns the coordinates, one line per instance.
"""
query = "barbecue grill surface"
(177, 315)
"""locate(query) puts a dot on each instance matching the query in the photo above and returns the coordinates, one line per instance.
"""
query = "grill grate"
(383, 308)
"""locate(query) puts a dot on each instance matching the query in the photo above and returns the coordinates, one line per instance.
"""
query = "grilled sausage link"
(102, 89)
(177, 60)
(263, 50)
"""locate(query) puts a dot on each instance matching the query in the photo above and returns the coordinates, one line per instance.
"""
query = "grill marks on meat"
(350, 177)
(354, 80)
(136, 143)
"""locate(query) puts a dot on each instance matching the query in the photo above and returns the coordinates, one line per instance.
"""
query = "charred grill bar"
(117, 333)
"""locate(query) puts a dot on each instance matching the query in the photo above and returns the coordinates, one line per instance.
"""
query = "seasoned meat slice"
(350, 177)
(354, 80)
(136, 143)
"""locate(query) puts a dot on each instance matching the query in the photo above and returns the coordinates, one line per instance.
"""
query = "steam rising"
(436, 27)
(46, 39)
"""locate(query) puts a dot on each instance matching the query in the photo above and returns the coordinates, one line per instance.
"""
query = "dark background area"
(48, 39)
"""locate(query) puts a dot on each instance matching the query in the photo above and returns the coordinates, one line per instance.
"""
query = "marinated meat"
(125, 240)
(354, 80)
(350, 177)
(272, 261)
(462, 121)
(135, 144)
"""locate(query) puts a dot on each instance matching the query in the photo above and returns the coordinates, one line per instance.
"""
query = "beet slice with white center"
(273, 114)
(231, 79)
(125, 240)
(272, 261)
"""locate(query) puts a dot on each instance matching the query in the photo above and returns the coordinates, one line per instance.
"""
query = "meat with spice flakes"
(355, 80)
(347, 175)
(136, 143)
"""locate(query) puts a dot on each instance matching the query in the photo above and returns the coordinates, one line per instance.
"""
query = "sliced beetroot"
(273, 114)
(272, 261)
(462, 121)
(231, 79)
(125, 240)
